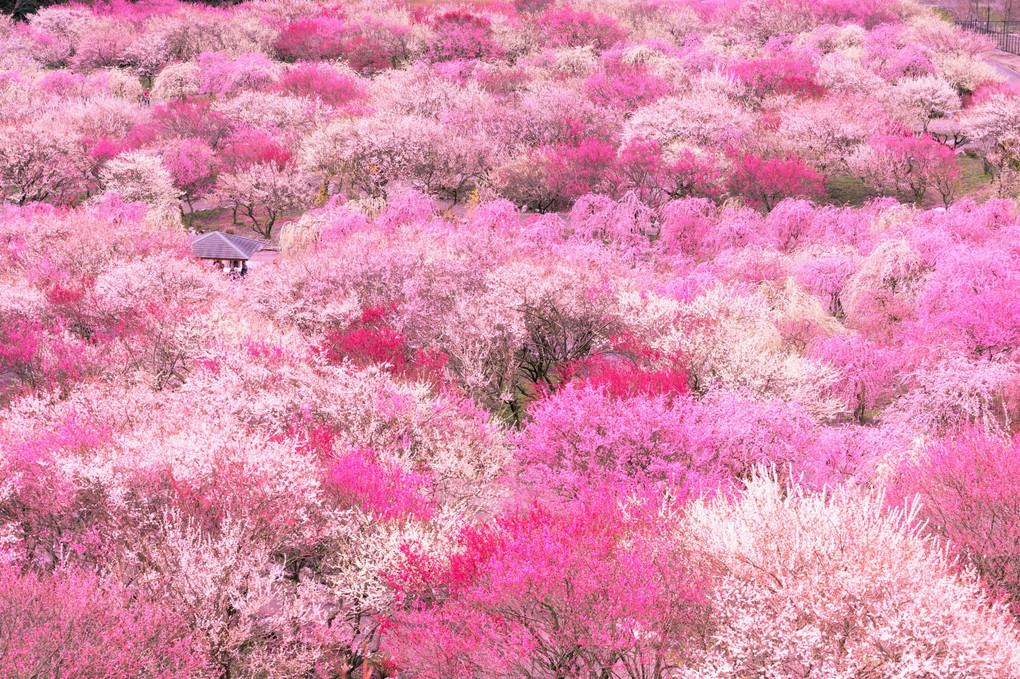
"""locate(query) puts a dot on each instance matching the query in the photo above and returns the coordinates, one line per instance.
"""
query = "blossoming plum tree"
(191, 163)
(263, 192)
(644, 433)
(40, 162)
(968, 497)
(911, 164)
(766, 181)
(890, 595)
(589, 592)
(72, 623)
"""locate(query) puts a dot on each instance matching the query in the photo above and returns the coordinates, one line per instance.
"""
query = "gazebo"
(227, 248)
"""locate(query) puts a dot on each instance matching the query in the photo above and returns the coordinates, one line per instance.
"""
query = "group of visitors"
(238, 271)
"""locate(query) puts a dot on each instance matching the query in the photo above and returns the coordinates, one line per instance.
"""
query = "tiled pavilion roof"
(217, 245)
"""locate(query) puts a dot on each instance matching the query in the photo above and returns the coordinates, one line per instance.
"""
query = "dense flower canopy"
(645, 339)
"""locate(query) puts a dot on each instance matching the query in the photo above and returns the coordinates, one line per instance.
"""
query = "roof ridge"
(231, 244)
(234, 235)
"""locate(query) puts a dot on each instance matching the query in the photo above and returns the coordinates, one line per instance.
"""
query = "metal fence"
(1005, 33)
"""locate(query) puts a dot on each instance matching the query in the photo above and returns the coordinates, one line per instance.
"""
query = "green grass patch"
(847, 190)
(974, 182)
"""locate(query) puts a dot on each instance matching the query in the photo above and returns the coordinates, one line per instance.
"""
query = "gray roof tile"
(217, 245)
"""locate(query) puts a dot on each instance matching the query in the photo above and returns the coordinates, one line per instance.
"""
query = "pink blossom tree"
(967, 486)
(590, 591)
(865, 371)
(326, 84)
(370, 340)
(625, 86)
(190, 117)
(657, 177)
(312, 39)
(192, 164)
(223, 76)
(776, 76)
(890, 52)
(764, 182)
(909, 164)
(73, 624)
(573, 171)
(827, 277)
(41, 162)
(570, 27)
(971, 301)
(461, 35)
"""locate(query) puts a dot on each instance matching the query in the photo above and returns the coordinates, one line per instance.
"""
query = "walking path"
(1006, 65)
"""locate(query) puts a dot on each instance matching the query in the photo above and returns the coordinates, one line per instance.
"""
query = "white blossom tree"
(41, 162)
(263, 192)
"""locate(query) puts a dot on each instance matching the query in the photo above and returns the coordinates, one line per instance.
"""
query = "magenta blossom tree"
(570, 27)
(312, 39)
(764, 182)
(71, 624)
(192, 164)
(320, 82)
(593, 591)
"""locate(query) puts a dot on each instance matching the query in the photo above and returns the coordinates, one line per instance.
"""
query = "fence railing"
(1005, 33)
